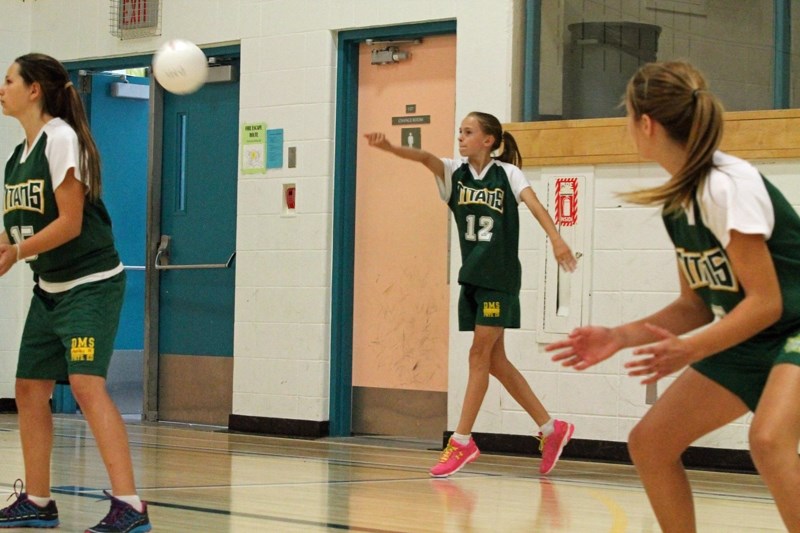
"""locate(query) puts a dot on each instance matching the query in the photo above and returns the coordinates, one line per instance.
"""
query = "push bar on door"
(162, 259)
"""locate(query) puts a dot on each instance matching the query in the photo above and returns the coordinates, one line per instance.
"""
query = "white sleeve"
(737, 202)
(62, 153)
(445, 184)
(516, 179)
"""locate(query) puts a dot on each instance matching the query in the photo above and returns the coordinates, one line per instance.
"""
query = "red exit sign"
(138, 14)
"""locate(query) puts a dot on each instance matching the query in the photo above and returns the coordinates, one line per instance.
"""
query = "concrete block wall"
(15, 36)
(283, 288)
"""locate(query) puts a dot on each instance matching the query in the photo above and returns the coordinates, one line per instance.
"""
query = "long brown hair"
(60, 99)
(491, 126)
(676, 95)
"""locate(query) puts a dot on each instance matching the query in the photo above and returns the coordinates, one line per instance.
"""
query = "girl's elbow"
(775, 310)
(74, 229)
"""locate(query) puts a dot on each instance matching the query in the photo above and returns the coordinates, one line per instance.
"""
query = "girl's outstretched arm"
(561, 250)
(434, 164)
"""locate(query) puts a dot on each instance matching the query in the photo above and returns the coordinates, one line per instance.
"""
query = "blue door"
(119, 127)
(196, 260)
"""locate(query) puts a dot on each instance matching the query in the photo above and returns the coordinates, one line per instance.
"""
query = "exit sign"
(137, 14)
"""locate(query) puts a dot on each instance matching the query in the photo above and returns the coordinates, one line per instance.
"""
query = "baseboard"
(8, 405)
(283, 427)
(695, 457)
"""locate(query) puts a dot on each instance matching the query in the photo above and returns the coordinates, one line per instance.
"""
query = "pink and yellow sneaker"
(553, 444)
(454, 457)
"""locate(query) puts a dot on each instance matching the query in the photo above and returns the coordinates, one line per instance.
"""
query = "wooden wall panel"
(748, 134)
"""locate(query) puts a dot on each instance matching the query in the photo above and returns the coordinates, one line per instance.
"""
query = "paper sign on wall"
(254, 148)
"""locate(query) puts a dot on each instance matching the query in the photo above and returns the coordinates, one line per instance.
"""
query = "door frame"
(115, 63)
(153, 230)
(344, 210)
(153, 276)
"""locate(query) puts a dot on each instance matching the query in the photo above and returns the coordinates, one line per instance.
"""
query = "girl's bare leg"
(691, 407)
(108, 429)
(480, 354)
(774, 437)
(516, 384)
(36, 432)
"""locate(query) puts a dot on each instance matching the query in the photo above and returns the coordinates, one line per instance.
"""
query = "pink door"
(401, 292)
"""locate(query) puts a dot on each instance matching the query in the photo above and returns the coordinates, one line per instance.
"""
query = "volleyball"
(180, 66)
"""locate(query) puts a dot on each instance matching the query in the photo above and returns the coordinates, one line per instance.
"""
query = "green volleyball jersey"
(737, 197)
(487, 215)
(29, 205)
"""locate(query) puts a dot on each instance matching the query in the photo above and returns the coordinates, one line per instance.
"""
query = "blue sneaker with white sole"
(122, 518)
(25, 513)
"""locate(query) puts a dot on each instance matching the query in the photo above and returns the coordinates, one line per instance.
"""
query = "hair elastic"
(68, 85)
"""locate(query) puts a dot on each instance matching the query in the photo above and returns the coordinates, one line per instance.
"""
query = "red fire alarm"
(290, 192)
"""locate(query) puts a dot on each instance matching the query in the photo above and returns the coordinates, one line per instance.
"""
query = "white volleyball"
(180, 66)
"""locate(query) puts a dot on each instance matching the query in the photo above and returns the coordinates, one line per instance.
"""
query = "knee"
(86, 389)
(31, 392)
(498, 366)
(764, 445)
(637, 443)
(644, 446)
(23, 389)
(479, 360)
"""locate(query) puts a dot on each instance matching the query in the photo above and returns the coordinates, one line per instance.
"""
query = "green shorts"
(71, 332)
(487, 307)
(744, 369)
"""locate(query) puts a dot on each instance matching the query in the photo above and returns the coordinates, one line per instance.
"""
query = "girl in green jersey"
(55, 220)
(483, 192)
(737, 242)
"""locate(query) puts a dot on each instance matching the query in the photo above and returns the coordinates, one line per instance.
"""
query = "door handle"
(162, 259)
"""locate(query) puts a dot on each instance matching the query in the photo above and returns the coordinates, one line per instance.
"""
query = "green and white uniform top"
(737, 197)
(29, 205)
(485, 207)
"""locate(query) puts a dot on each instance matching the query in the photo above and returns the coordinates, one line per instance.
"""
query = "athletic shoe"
(122, 518)
(25, 513)
(552, 445)
(454, 457)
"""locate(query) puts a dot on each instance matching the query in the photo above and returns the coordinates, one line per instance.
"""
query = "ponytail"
(61, 99)
(510, 151)
(491, 126)
(675, 95)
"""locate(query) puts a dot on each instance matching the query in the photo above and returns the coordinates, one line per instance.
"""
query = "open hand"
(661, 359)
(585, 347)
(8, 256)
(378, 140)
(566, 259)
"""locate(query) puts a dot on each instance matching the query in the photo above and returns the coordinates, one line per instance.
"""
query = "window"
(589, 49)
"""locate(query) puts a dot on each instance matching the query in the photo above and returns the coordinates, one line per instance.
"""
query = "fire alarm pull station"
(289, 196)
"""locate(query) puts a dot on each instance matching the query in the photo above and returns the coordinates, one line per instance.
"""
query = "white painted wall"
(15, 36)
(288, 74)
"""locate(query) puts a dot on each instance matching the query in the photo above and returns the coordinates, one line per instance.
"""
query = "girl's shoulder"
(58, 128)
(508, 167)
(732, 175)
(514, 174)
(61, 138)
(727, 166)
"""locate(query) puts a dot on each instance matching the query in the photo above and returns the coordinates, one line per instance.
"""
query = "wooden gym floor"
(202, 479)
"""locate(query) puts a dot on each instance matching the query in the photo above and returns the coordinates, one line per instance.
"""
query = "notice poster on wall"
(254, 148)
